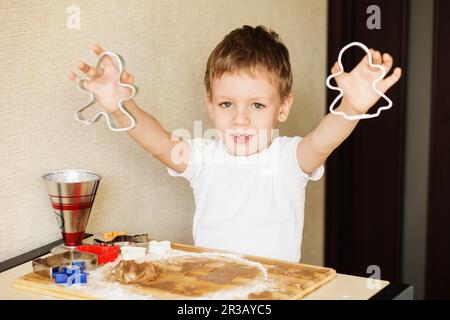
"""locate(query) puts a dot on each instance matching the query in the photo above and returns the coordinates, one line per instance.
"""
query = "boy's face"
(246, 110)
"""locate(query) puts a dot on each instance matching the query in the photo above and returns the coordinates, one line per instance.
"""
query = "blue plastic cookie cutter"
(79, 114)
(70, 275)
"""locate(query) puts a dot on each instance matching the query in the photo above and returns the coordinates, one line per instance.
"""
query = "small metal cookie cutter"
(49, 265)
(139, 240)
(79, 114)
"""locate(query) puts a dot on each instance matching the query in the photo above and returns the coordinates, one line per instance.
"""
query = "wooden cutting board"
(195, 273)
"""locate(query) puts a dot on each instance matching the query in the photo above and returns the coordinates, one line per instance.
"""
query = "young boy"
(242, 204)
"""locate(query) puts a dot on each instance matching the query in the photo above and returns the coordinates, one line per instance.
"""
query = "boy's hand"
(358, 95)
(358, 98)
(103, 82)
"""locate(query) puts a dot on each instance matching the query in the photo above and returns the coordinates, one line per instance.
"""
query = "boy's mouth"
(241, 138)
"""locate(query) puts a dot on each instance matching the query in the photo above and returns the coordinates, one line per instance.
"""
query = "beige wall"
(166, 44)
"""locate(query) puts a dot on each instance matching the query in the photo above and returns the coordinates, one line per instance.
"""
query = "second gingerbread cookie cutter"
(341, 94)
(79, 114)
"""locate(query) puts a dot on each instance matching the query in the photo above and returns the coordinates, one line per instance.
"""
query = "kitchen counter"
(343, 287)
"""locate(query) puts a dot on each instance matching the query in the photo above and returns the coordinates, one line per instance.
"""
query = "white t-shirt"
(248, 204)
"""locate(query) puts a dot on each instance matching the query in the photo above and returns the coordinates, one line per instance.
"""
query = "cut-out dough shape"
(159, 247)
(341, 94)
(132, 253)
(79, 114)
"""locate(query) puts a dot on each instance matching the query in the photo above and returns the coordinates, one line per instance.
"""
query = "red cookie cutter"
(105, 253)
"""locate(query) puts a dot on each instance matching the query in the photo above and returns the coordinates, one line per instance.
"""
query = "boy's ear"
(209, 106)
(285, 107)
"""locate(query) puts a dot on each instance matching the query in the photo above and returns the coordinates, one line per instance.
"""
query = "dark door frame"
(364, 184)
(437, 277)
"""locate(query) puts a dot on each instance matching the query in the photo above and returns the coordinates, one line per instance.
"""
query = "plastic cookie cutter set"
(383, 74)
(71, 275)
(120, 63)
(104, 253)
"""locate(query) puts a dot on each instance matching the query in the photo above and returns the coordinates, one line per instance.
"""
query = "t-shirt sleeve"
(195, 161)
(293, 163)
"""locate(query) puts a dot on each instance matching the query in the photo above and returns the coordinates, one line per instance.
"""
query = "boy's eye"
(258, 106)
(225, 104)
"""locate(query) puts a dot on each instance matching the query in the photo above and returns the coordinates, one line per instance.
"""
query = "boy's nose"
(241, 118)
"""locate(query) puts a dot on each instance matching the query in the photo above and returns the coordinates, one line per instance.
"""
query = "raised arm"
(358, 98)
(148, 133)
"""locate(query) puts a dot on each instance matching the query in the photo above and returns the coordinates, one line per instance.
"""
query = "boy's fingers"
(83, 66)
(392, 79)
(377, 57)
(387, 62)
(127, 78)
(92, 73)
(98, 50)
(335, 68)
(87, 69)
(73, 76)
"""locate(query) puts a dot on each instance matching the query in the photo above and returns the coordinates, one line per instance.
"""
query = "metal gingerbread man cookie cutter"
(79, 114)
(341, 94)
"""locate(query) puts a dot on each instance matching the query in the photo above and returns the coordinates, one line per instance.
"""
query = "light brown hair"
(251, 49)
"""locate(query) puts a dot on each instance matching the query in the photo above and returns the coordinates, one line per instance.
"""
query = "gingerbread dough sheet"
(181, 274)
